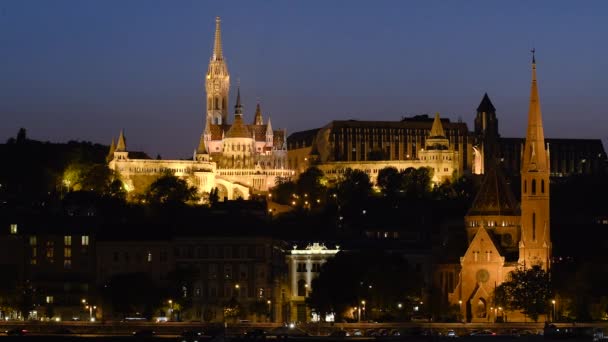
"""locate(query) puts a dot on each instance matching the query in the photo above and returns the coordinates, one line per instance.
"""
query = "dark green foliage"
(310, 184)
(354, 187)
(214, 197)
(389, 181)
(36, 169)
(283, 191)
(170, 190)
(528, 290)
(381, 279)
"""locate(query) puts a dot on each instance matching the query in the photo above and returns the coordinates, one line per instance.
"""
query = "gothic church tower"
(535, 244)
(217, 82)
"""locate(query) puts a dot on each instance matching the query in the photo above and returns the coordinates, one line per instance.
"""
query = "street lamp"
(170, 301)
(363, 303)
(269, 302)
(553, 302)
(460, 310)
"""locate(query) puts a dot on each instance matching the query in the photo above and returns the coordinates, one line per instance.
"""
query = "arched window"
(542, 186)
(217, 103)
(301, 287)
(534, 226)
(534, 187)
(525, 186)
(209, 103)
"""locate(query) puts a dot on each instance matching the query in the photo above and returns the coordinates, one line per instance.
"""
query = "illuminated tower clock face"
(482, 276)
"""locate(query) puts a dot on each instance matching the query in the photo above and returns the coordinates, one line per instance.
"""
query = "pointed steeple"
(269, 127)
(238, 128)
(122, 143)
(486, 105)
(217, 44)
(437, 129)
(110, 155)
(238, 108)
(535, 244)
(201, 149)
(535, 154)
(257, 120)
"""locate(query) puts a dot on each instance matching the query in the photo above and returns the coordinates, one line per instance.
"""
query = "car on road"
(192, 336)
(144, 333)
(483, 333)
(451, 333)
(256, 334)
(16, 332)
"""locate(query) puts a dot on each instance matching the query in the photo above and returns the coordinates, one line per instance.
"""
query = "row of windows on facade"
(487, 258)
(49, 256)
(302, 267)
(383, 134)
(491, 223)
(253, 173)
(533, 183)
(67, 240)
(155, 170)
(436, 157)
(213, 252)
(228, 291)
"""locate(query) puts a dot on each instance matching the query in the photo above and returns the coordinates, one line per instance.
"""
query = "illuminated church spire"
(535, 154)
(257, 119)
(217, 82)
(217, 45)
(535, 244)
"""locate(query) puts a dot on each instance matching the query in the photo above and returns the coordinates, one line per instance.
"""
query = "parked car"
(451, 333)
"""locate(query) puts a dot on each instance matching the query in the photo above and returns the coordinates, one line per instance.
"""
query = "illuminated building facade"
(416, 142)
(304, 265)
(238, 158)
(502, 235)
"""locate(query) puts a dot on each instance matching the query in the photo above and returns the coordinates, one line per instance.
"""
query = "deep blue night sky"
(85, 69)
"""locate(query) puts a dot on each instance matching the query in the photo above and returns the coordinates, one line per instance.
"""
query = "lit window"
(67, 263)
(14, 228)
(67, 252)
(33, 241)
(67, 240)
(49, 299)
(85, 240)
(149, 256)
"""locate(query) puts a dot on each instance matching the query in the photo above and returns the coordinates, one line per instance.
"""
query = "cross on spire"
(533, 55)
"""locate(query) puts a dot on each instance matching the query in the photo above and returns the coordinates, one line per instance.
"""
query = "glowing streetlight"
(554, 312)
(460, 309)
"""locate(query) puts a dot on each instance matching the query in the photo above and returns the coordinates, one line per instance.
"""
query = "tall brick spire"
(535, 245)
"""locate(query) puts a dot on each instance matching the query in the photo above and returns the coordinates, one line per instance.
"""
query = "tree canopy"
(170, 190)
(528, 290)
(382, 280)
